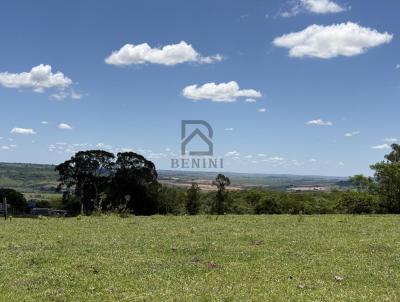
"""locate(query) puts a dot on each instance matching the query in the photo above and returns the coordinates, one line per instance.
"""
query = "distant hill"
(43, 178)
(28, 177)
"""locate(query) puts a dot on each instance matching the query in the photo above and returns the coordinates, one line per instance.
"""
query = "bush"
(269, 204)
(358, 203)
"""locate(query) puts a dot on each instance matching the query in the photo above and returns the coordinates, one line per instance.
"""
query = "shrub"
(358, 203)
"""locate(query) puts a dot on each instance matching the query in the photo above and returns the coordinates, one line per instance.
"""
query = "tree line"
(98, 181)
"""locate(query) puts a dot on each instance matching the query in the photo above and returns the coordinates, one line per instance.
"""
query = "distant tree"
(193, 199)
(363, 183)
(15, 199)
(221, 198)
(86, 175)
(135, 182)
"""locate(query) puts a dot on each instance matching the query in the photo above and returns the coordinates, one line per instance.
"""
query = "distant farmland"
(29, 178)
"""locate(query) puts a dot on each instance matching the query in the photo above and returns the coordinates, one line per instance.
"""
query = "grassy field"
(202, 258)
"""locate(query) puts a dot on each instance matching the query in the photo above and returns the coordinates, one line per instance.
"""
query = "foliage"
(221, 198)
(193, 199)
(15, 199)
(363, 183)
(358, 203)
(96, 180)
(387, 175)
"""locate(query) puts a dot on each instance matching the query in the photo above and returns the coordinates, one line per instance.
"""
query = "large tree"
(134, 183)
(85, 176)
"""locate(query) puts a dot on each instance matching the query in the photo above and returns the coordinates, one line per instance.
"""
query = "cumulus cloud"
(262, 110)
(39, 78)
(313, 6)
(391, 140)
(319, 122)
(64, 126)
(381, 147)
(341, 163)
(169, 55)
(44, 122)
(229, 129)
(325, 42)
(322, 6)
(250, 100)
(223, 92)
(24, 131)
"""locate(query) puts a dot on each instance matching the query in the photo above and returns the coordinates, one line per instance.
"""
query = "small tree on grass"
(193, 199)
(221, 198)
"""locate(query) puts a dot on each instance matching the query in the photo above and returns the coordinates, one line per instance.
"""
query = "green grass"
(202, 258)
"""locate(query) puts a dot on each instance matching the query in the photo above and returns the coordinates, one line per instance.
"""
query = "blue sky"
(326, 73)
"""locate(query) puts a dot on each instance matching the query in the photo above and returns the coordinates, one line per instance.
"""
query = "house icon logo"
(187, 138)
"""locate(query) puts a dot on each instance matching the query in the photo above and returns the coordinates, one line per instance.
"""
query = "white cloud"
(381, 147)
(104, 146)
(64, 126)
(351, 134)
(262, 110)
(322, 6)
(249, 156)
(232, 154)
(319, 122)
(44, 122)
(169, 55)
(23, 131)
(261, 155)
(5, 148)
(397, 66)
(39, 78)
(63, 94)
(250, 100)
(223, 92)
(229, 129)
(391, 140)
(312, 160)
(341, 164)
(315, 7)
(276, 158)
(325, 42)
